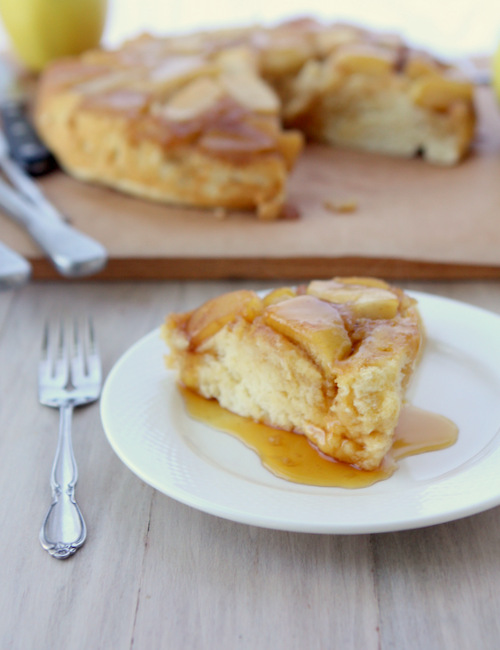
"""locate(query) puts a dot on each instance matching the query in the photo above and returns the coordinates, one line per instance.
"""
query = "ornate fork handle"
(63, 530)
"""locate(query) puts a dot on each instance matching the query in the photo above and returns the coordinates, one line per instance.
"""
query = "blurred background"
(451, 28)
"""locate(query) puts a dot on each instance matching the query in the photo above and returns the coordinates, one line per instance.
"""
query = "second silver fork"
(69, 375)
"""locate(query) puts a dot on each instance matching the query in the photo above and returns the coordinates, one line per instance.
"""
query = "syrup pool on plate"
(290, 456)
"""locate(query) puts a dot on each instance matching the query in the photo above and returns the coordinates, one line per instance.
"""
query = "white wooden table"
(156, 574)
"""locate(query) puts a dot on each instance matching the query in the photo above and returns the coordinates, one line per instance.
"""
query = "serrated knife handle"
(25, 146)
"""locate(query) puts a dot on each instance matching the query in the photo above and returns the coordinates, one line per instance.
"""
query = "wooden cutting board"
(412, 220)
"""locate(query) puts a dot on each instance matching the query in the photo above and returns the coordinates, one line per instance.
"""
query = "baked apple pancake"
(217, 119)
(189, 129)
(330, 360)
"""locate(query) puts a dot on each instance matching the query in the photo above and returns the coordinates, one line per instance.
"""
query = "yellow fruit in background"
(44, 30)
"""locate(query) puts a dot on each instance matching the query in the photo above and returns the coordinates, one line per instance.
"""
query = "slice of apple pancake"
(330, 360)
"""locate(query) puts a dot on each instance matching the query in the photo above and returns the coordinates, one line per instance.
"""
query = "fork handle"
(63, 530)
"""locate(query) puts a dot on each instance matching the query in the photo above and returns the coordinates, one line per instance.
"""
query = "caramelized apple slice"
(214, 314)
(420, 64)
(278, 295)
(365, 301)
(439, 93)
(194, 99)
(329, 40)
(238, 59)
(365, 282)
(366, 59)
(313, 324)
(175, 71)
(250, 91)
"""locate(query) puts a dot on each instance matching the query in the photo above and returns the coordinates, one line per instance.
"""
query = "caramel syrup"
(291, 456)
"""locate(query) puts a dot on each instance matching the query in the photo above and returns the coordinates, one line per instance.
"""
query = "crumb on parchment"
(220, 213)
(344, 206)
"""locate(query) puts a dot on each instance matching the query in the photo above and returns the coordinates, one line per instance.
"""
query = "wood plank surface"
(154, 573)
(413, 220)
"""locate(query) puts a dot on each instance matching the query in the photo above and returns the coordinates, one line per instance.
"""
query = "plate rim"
(270, 522)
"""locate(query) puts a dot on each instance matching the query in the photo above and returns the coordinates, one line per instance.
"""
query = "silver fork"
(69, 375)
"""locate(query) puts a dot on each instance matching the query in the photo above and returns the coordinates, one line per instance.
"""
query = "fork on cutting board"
(69, 375)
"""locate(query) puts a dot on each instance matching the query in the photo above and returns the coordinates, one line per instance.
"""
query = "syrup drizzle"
(290, 456)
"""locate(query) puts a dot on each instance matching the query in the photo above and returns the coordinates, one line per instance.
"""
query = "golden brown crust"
(214, 106)
(331, 360)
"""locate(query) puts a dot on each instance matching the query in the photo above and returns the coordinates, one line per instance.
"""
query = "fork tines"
(84, 356)
(70, 348)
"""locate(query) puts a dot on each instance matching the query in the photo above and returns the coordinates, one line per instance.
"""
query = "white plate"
(459, 376)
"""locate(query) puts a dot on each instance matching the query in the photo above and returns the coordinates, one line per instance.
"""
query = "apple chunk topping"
(313, 324)
(211, 317)
(193, 100)
(365, 301)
